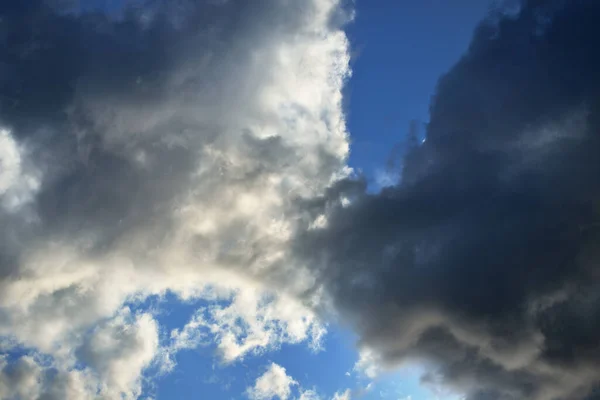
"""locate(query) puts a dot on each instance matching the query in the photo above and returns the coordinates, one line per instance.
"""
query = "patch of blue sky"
(200, 370)
(405, 384)
(400, 49)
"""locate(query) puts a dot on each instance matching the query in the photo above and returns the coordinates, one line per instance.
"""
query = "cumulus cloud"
(112, 360)
(20, 379)
(250, 321)
(482, 262)
(345, 395)
(309, 394)
(119, 350)
(273, 384)
(161, 147)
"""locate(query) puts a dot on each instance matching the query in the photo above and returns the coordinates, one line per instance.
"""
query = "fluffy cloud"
(112, 360)
(119, 350)
(163, 147)
(20, 379)
(274, 383)
(345, 395)
(251, 321)
(309, 394)
(482, 263)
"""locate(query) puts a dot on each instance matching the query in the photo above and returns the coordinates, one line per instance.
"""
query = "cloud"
(250, 321)
(197, 150)
(274, 383)
(112, 360)
(309, 394)
(18, 181)
(342, 395)
(159, 148)
(482, 263)
(368, 363)
(20, 379)
(119, 350)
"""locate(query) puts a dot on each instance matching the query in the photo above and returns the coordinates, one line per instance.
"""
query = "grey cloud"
(483, 258)
(86, 90)
(118, 111)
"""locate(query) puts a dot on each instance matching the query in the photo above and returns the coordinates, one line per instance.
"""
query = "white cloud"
(276, 383)
(119, 350)
(115, 354)
(176, 181)
(18, 181)
(342, 395)
(10, 161)
(309, 394)
(368, 363)
(250, 321)
(273, 384)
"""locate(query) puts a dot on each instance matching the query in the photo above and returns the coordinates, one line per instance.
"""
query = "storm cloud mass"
(482, 262)
(199, 148)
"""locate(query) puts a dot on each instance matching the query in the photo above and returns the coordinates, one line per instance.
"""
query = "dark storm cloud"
(484, 259)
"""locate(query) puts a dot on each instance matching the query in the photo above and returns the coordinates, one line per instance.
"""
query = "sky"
(415, 40)
(299, 200)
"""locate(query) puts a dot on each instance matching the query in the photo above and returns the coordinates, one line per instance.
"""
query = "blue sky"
(400, 49)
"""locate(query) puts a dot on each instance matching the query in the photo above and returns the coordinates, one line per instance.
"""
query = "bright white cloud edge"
(275, 383)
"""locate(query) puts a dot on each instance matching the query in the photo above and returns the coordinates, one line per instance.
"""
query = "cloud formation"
(482, 262)
(345, 395)
(251, 321)
(159, 147)
(275, 383)
(199, 147)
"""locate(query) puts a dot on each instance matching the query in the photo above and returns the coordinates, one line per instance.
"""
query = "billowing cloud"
(275, 383)
(20, 379)
(112, 359)
(482, 262)
(160, 147)
(119, 350)
(345, 395)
